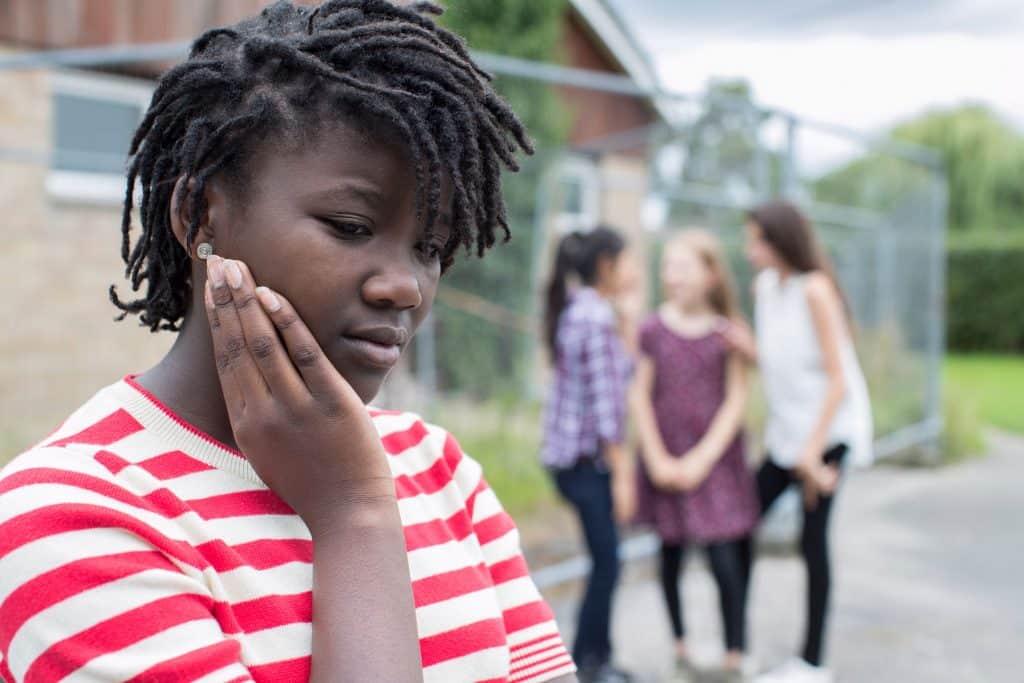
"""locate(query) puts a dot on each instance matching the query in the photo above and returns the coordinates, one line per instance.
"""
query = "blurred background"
(894, 124)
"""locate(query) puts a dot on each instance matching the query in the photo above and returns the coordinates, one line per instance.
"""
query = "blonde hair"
(722, 294)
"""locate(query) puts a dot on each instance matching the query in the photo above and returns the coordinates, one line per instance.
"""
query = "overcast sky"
(863, 63)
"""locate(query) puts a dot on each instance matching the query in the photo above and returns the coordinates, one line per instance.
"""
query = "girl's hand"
(662, 469)
(299, 423)
(691, 472)
(739, 337)
(623, 497)
(819, 480)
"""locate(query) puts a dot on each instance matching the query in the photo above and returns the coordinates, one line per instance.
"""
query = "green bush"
(962, 437)
(985, 298)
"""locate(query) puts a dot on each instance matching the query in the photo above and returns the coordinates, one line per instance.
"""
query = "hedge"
(985, 299)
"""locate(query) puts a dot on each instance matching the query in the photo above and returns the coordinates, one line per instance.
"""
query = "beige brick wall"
(58, 343)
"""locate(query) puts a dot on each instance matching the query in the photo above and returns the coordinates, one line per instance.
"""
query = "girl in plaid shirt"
(585, 419)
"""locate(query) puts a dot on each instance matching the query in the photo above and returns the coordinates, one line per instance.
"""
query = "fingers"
(319, 376)
(262, 342)
(239, 376)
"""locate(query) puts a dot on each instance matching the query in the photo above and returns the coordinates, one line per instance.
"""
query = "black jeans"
(588, 490)
(772, 481)
(729, 565)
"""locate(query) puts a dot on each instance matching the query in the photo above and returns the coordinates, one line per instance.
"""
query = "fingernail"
(215, 270)
(268, 299)
(234, 274)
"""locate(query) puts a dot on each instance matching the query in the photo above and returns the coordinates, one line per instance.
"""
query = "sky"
(866, 64)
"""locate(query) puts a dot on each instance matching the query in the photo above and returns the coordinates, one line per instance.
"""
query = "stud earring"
(204, 250)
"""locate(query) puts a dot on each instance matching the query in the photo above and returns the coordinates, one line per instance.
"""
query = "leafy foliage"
(472, 355)
(985, 291)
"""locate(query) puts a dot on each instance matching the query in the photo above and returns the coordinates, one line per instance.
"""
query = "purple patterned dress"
(689, 387)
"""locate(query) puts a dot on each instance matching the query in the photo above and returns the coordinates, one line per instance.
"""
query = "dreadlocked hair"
(290, 71)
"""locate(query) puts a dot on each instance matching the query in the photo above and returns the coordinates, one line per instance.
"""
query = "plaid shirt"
(586, 406)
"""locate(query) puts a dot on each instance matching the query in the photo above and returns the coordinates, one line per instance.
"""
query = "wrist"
(368, 505)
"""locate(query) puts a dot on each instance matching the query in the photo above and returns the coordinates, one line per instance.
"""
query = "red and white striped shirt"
(134, 547)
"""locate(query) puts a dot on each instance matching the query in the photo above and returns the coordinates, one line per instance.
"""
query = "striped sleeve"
(537, 652)
(94, 584)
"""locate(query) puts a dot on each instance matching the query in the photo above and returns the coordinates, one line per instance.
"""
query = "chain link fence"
(646, 161)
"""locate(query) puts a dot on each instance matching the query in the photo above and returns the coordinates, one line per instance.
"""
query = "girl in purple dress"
(689, 399)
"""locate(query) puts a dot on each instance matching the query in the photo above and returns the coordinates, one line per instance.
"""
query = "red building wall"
(597, 114)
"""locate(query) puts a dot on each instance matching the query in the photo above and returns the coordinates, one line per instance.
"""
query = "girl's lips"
(374, 353)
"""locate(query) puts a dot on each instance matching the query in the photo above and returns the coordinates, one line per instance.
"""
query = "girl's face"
(618, 274)
(333, 227)
(685, 277)
(760, 254)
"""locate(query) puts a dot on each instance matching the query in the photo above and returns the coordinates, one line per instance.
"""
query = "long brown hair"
(787, 230)
(722, 294)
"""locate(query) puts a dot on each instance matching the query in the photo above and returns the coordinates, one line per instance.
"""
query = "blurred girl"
(689, 399)
(818, 410)
(585, 421)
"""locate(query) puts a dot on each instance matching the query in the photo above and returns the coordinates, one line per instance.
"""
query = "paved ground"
(929, 583)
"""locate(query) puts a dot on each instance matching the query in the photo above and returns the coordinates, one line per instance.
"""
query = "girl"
(236, 512)
(818, 410)
(689, 399)
(584, 422)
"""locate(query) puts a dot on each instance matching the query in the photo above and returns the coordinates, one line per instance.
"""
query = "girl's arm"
(827, 314)
(310, 439)
(653, 451)
(740, 338)
(728, 420)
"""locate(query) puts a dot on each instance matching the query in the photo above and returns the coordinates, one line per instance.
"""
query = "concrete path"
(928, 583)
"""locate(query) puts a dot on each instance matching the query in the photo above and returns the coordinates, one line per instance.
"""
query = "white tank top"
(794, 376)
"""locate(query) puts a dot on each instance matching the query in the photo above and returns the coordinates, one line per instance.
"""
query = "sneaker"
(685, 671)
(797, 670)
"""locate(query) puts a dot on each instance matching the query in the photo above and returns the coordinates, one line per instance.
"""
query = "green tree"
(473, 355)
(984, 162)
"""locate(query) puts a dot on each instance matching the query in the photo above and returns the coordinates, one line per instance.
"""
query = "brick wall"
(59, 342)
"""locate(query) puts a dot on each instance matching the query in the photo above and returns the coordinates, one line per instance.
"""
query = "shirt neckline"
(179, 434)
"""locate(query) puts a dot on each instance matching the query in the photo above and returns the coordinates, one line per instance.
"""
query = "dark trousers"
(729, 565)
(588, 490)
(772, 481)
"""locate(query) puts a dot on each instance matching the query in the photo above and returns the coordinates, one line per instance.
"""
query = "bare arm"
(653, 451)
(740, 338)
(827, 315)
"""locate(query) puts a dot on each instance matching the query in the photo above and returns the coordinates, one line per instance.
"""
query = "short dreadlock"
(289, 71)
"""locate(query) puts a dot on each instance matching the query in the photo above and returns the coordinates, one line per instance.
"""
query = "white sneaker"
(797, 670)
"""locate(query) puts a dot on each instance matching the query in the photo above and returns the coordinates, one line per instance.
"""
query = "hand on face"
(300, 424)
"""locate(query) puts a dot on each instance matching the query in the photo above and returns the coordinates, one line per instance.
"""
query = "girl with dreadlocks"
(237, 512)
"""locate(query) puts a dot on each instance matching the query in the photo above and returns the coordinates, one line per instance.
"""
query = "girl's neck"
(692, 309)
(785, 272)
(186, 381)
(691, 321)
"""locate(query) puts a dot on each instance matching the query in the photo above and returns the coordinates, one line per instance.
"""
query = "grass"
(990, 385)
(504, 437)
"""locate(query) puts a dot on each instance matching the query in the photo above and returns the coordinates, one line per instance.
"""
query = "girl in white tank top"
(818, 409)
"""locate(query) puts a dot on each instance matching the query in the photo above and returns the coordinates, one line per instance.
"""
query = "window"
(576, 196)
(94, 118)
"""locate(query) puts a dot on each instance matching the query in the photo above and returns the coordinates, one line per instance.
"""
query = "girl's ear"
(181, 213)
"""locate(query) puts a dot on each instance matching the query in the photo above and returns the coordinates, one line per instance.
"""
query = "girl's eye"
(348, 229)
